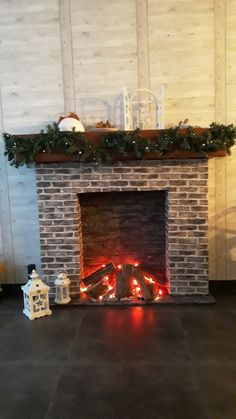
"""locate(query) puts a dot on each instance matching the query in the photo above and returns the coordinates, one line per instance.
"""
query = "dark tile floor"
(153, 362)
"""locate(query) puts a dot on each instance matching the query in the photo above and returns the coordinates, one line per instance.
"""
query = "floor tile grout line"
(65, 363)
(191, 365)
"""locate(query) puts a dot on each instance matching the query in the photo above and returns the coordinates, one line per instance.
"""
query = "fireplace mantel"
(56, 157)
(100, 146)
(96, 136)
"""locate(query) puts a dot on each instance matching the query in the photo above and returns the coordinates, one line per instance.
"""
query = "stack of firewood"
(125, 282)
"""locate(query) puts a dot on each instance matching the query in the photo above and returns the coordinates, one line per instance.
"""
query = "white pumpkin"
(70, 124)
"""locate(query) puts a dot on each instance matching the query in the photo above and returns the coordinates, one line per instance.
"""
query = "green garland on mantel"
(21, 150)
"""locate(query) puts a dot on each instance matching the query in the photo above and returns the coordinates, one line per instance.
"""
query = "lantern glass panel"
(26, 301)
(40, 302)
(65, 292)
(58, 293)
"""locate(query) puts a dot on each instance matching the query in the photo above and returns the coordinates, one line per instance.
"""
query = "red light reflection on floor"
(134, 321)
(137, 318)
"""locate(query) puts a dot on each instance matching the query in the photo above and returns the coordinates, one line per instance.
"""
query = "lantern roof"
(35, 284)
(62, 279)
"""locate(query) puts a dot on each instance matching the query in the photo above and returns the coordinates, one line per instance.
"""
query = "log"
(109, 295)
(151, 288)
(150, 270)
(96, 291)
(99, 274)
(123, 281)
(139, 276)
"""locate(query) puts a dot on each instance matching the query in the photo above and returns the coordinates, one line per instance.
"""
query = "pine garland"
(21, 150)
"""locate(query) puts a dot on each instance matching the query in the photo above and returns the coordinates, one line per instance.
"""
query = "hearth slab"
(168, 299)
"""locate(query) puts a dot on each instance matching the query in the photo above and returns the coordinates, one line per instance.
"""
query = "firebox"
(125, 225)
(126, 232)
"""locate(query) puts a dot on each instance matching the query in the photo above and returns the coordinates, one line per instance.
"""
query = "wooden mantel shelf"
(177, 154)
(95, 136)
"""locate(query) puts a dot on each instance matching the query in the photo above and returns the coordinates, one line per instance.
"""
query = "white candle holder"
(62, 284)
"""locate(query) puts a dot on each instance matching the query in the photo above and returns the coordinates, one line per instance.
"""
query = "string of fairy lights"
(108, 292)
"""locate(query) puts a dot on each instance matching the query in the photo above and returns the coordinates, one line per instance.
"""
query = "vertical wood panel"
(67, 56)
(32, 96)
(220, 116)
(220, 61)
(142, 43)
(231, 217)
(231, 161)
(105, 58)
(181, 54)
(212, 219)
(5, 212)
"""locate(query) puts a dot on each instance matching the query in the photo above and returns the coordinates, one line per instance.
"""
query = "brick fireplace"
(63, 192)
(173, 194)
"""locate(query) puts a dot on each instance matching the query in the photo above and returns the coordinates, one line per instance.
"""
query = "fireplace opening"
(124, 242)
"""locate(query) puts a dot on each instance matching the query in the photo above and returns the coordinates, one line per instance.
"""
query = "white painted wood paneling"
(32, 96)
(67, 56)
(220, 116)
(6, 242)
(105, 57)
(63, 55)
(181, 49)
(230, 183)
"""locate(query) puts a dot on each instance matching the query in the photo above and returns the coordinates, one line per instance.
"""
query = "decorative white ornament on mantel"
(62, 284)
(70, 123)
(143, 109)
(36, 300)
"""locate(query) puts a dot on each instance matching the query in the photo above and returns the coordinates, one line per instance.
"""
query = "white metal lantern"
(62, 284)
(144, 109)
(36, 301)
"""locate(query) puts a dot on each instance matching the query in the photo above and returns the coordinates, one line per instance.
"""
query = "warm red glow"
(137, 319)
(150, 280)
(134, 293)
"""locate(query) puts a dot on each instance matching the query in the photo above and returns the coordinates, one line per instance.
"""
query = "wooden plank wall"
(105, 57)
(222, 193)
(230, 177)
(65, 55)
(6, 233)
(32, 96)
(218, 264)
(181, 49)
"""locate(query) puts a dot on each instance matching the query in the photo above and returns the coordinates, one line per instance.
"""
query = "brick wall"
(185, 182)
(123, 227)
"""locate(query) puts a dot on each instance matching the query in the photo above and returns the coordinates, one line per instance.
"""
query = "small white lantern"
(62, 284)
(36, 301)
